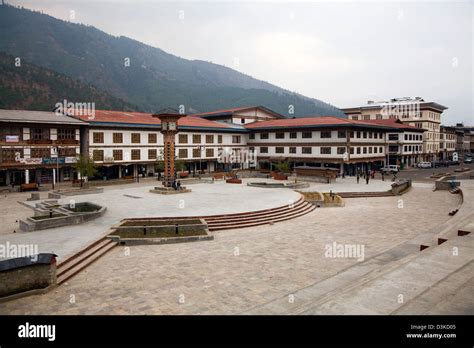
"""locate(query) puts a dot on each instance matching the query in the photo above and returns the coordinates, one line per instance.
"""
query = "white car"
(424, 165)
(391, 168)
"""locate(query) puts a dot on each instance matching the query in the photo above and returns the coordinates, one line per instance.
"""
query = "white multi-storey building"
(411, 111)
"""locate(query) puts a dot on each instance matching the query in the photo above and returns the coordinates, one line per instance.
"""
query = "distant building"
(412, 111)
(34, 143)
(448, 140)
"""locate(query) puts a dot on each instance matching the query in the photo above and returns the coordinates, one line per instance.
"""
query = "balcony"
(39, 141)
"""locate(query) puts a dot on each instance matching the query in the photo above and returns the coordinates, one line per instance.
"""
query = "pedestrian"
(367, 179)
(358, 177)
(383, 176)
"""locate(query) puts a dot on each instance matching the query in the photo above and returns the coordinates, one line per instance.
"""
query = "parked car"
(391, 168)
(468, 160)
(424, 165)
(453, 163)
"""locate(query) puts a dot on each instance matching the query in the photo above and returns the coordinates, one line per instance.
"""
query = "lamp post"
(169, 128)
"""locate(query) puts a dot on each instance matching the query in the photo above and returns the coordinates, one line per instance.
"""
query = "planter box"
(278, 176)
(183, 175)
(233, 181)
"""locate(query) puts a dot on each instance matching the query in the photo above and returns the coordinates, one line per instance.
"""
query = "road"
(418, 174)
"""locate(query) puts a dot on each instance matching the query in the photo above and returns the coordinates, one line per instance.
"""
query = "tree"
(85, 167)
(282, 166)
(179, 165)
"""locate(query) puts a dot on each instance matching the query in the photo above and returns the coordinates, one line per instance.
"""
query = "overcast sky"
(344, 53)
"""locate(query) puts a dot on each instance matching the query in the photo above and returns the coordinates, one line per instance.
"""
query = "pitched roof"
(226, 112)
(125, 118)
(28, 116)
(396, 123)
(320, 121)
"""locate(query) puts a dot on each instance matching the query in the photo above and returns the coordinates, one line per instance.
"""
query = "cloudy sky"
(344, 52)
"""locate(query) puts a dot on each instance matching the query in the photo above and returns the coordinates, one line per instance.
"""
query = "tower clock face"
(172, 126)
(164, 126)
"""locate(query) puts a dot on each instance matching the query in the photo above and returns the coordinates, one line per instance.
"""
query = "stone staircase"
(77, 262)
(374, 285)
(261, 217)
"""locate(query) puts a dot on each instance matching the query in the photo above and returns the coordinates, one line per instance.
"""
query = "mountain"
(29, 87)
(154, 80)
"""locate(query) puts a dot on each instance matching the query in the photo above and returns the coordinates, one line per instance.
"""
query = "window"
(40, 153)
(326, 150)
(341, 134)
(152, 154)
(375, 149)
(406, 136)
(393, 148)
(98, 155)
(67, 152)
(280, 135)
(41, 134)
(135, 155)
(117, 138)
(279, 149)
(252, 136)
(183, 139)
(236, 139)
(378, 117)
(293, 135)
(210, 152)
(358, 134)
(381, 149)
(135, 138)
(325, 134)
(307, 134)
(355, 118)
(341, 150)
(366, 117)
(196, 138)
(370, 135)
(196, 153)
(66, 133)
(351, 150)
(358, 150)
(117, 154)
(306, 150)
(98, 137)
(365, 135)
(12, 131)
(263, 149)
(152, 138)
(9, 154)
(183, 153)
(370, 149)
(263, 135)
(209, 139)
(351, 134)
(219, 139)
(292, 149)
(393, 137)
(364, 150)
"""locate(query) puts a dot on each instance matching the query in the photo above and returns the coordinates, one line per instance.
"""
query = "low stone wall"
(447, 183)
(400, 186)
(107, 182)
(31, 224)
(75, 192)
(24, 274)
(323, 199)
(290, 185)
(318, 179)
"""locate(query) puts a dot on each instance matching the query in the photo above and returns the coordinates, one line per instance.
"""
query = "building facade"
(411, 111)
(447, 146)
(36, 145)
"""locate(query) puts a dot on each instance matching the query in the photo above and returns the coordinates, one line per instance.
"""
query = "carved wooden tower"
(169, 128)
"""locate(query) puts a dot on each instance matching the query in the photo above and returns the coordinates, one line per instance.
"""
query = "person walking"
(367, 178)
(358, 177)
(383, 176)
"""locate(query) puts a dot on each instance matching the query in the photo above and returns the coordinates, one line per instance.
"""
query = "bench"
(29, 187)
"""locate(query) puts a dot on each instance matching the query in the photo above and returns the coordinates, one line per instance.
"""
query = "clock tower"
(169, 128)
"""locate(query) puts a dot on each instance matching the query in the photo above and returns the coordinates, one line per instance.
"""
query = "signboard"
(12, 138)
(70, 160)
(31, 160)
(54, 160)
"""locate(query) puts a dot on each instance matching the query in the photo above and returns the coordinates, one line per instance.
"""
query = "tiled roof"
(395, 123)
(140, 118)
(223, 112)
(307, 122)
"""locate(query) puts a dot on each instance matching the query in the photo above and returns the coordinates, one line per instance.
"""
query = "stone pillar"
(120, 172)
(27, 176)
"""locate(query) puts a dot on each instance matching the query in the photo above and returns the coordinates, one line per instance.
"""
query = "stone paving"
(240, 269)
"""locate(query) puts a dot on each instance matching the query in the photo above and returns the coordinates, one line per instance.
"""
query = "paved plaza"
(240, 271)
